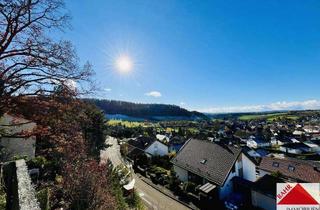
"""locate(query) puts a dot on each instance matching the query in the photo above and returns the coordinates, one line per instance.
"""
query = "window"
(257, 172)
(275, 164)
(291, 168)
(203, 161)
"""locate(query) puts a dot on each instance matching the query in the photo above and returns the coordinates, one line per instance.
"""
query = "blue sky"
(204, 55)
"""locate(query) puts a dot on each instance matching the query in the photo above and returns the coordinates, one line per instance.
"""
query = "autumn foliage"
(41, 79)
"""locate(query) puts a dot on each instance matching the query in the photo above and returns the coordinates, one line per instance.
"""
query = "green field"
(128, 124)
(269, 117)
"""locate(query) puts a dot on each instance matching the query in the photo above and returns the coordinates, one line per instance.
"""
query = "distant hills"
(139, 111)
(268, 115)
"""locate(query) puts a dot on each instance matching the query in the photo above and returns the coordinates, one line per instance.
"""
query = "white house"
(145, 145)
(314, 146)
(157, 148)
(257, 143)
(162, 138)
(295, 148)
(205, 162)
(16, 136)
(311, 129)
(297, 133)
(249, 167)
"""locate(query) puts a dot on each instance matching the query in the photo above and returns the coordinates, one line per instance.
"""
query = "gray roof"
(208, 160)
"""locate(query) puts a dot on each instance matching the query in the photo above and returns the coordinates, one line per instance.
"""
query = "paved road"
(152, 198)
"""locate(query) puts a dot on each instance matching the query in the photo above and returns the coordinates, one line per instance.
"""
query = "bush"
(117, 191)
(158, 170)
(38, 162)
(174, 183)
(162, 161)
(142, 160)
(2, 196)
(134, 201)
(189, 187)
(43, 196)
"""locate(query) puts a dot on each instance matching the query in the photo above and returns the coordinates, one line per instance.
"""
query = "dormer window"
(275, 164)
(291, 168)
(203, 161)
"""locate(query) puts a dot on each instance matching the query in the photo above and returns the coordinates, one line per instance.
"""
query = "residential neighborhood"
(216, 168)
(159, 105)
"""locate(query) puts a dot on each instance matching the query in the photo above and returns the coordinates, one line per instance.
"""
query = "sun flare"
(124, 63)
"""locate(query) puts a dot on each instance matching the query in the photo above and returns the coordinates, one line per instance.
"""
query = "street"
(152, 198)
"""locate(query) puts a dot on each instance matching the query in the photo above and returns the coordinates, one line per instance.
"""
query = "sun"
(124, 63)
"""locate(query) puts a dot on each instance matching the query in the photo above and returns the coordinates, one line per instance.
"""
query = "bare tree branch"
(30, 61)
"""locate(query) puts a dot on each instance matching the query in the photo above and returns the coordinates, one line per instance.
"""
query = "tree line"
(142, 110)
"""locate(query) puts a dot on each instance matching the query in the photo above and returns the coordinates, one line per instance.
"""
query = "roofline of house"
(155, 141)
(174, 163)
(195, 172)
(139, 149)
(284, 176)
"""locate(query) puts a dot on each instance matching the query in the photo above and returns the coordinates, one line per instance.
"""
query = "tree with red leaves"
(37, 74)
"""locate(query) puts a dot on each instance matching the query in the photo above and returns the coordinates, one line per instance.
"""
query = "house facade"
(205, 162)
(157, 148)
(249, 168)
(295, 148)
(145, 145)
(257, 143)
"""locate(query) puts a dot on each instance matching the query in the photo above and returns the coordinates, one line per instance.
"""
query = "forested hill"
(149, 111)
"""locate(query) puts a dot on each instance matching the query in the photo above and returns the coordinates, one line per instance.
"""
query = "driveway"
(152, 198)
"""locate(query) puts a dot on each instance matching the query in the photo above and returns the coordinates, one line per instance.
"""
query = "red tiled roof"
(300, 170)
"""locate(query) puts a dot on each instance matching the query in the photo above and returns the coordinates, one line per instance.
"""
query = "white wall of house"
(252, 144)
(313, 147)
(181, 173)
(266, 144)
(227, 188)
(249, 169)
(262, 201)
(280, 143)
(162, 138)
(157, 148)
(255, 145)
(290, 150)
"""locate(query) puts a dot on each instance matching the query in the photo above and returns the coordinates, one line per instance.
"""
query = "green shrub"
(174, 183)
(134, 201)
(38, 162)
(117, 191)
(189, 187)
(162, 161)
(2, 197)
(158, 170)
(43, 196)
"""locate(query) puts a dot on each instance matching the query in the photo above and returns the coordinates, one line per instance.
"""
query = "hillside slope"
(147, 111)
